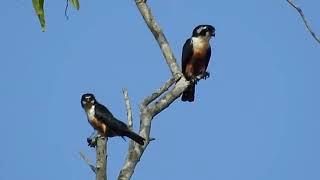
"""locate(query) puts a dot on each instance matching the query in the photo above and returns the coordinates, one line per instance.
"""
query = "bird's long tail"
(188, 94)
(135, 137)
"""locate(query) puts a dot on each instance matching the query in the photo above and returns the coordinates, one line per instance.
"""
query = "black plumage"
(104, 122)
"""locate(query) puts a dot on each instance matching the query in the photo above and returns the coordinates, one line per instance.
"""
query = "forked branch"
(163, 97)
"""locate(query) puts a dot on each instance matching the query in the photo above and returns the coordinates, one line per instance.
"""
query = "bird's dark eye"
(203, 32)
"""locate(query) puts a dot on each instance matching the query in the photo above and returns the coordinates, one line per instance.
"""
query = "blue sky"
(256, 117)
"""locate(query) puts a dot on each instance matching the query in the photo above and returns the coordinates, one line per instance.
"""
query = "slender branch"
(128, 107)
(304, 20)
(160, 91)
(136, 151)
(101, 155)
(86, 159)
(168, 98)
(66, 10)
(129, 114)
(146, 112)
(159, 36)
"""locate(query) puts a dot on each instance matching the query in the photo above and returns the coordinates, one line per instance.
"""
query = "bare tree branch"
(159, 36)
(86, 159)
(129, 114)
(101, 155)
(304, 20)
(161, 90)
(168, 98)
(128, 107)
(147, 113)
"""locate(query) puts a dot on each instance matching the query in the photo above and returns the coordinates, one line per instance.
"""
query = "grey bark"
(101, 155)
(157, 101)
(100, 169)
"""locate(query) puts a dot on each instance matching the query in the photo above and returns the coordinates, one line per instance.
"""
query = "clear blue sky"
(256, 117)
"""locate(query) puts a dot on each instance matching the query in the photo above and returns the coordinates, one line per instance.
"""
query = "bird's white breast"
(199, 44)
(90, 113)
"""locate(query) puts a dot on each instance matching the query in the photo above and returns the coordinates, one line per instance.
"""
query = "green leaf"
(38, 7)
(75, 4)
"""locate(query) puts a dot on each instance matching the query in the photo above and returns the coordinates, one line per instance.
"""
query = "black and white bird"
(196, 54)
(102, 120)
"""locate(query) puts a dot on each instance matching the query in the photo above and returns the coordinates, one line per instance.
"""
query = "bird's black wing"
(115, 126)
(102, 113)
(187, 51)
(207, 59)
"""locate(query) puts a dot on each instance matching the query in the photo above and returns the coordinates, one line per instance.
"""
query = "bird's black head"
(204, 30)
(87, 100)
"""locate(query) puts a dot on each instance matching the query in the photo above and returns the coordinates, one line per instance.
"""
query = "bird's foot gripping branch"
(92, 140)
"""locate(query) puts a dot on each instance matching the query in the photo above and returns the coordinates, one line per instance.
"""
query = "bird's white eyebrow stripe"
(201, 28)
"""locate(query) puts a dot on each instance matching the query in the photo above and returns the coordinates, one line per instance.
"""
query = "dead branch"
(129, 114)
(128, 107)
(304, 20)
(158, 93)
(86, 159)
(147, 111)
(101, 155)
(158, 35)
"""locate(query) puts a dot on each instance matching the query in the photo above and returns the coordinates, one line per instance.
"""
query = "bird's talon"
(92, 142)
(206, 75)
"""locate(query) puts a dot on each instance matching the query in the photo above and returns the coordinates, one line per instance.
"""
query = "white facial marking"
(201, 28)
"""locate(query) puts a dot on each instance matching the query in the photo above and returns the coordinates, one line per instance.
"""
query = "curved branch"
(304, 20)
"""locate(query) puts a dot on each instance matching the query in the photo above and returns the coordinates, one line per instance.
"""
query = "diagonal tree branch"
(86, 159)
(101, 158)
(158, 93)
(148, 112)
(158, 35)
(304, 20)
(168, 98)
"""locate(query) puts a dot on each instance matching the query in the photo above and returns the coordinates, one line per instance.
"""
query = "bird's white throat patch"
(199, 43)
(90, 112)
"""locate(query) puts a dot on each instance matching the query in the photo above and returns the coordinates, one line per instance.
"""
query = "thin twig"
(66, 10)
(87, 161)
(129, 114)
(304, 20)
(160, 91)
(128, 107)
